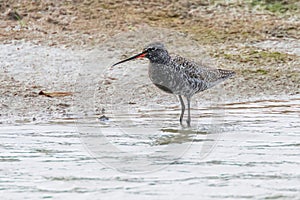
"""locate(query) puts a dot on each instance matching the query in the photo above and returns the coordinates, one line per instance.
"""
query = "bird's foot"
(180, 120)
(188, 122)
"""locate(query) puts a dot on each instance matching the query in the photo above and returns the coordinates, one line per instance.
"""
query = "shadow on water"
(179, 136)
(143, 143)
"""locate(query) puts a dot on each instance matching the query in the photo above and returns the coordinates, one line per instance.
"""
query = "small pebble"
(103, 118)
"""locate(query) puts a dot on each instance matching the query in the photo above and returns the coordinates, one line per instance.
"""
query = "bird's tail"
(225, 74)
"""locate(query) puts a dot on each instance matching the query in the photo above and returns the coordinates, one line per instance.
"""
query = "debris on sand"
(55, 94)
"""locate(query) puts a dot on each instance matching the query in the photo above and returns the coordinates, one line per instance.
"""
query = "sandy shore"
(66, 49)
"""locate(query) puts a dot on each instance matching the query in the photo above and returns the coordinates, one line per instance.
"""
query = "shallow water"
(250, 151)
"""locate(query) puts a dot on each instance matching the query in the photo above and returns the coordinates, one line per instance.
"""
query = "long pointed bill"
(141, 55)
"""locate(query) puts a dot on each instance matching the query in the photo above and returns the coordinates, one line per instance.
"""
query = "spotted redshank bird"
(179, 76)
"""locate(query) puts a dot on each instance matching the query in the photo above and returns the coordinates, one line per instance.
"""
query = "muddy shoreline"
(77, 58)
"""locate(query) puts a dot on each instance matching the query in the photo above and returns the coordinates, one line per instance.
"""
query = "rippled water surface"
(251, 151)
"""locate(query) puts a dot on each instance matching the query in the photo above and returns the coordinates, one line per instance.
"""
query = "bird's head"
(155, 52)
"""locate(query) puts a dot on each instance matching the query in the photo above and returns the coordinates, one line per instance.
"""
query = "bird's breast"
(168, 79)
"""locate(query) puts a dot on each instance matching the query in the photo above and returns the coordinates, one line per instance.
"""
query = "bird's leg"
(182, 109)
(188, 121)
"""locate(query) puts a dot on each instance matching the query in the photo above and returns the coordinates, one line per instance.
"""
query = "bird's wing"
(201, 72)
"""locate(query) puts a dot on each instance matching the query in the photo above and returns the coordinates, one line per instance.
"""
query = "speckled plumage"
(179, 76)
